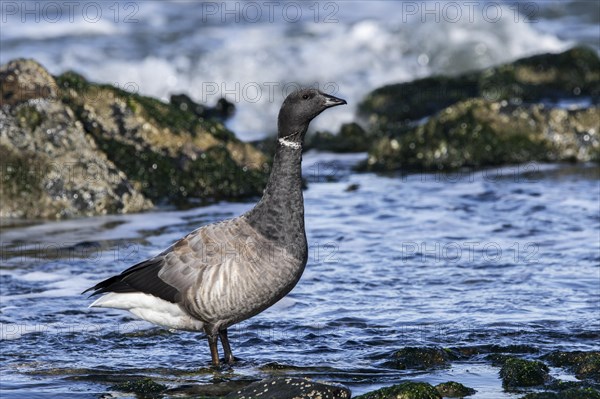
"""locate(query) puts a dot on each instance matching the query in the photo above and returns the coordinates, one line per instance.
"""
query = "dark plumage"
(226, 272)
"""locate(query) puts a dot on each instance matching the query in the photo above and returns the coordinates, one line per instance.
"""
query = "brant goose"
(226, 272)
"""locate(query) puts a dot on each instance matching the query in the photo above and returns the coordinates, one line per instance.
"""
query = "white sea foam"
(253, 64)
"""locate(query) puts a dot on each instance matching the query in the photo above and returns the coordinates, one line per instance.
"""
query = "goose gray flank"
(226, 272)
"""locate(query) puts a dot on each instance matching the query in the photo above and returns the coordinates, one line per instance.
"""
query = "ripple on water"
(420, 263)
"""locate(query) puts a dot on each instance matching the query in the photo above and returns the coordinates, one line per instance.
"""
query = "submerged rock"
(572, 74)
(452, 389)
(523, 373)
(291, 388)
(479, 133)
(75, 148)
(405, 390)
(419, 358)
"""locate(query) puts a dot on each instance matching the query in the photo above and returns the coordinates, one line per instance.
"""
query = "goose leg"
(226, 347)
(214, 351)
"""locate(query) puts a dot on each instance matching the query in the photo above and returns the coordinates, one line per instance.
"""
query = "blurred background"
(252, 54)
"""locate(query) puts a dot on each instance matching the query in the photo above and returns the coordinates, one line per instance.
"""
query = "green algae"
(405, 390)
(523, 373)
(453, 389)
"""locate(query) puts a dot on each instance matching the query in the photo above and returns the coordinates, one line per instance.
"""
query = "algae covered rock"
(291, 388)
(571, 74)
(453, 389)
(512, 113)
(478, 133)
(50, 167)
(143, 387)
(171, 152)
(586, 365)
(419, 358)
(351, 138)
(523, 373)
(74, 148)
(405, 390)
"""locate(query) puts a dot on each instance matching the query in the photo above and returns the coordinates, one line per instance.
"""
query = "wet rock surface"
(523, 373)
(419, 358)
(405, 390)
(453, 389)
(585, 365)
(291, 388)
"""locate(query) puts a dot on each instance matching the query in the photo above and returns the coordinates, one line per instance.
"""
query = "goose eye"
(305, 96)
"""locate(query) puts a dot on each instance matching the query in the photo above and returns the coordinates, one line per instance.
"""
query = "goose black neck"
(279, 215)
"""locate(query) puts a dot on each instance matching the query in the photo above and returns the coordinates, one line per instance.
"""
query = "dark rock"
(216, 390)
(351, 138)
(291, 387)
(479, 133)
(352, 187)
(405, 390)
(222, 111)
(419, 358)
(585, 365)
(452, 389)
(468, 352)
(523, 373)
(574, 73)
(142, 387)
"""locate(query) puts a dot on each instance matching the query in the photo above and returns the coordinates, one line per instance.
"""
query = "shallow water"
(504, 256)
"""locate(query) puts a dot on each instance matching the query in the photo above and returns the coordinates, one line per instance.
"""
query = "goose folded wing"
(165, 276)
(179, 268)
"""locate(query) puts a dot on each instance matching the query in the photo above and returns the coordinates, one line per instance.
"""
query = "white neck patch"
(290, 144)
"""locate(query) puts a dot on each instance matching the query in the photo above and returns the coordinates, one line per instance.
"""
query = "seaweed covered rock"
(586, 365)
(523, 373)
(141, 387)
(419, 358)
(351, 138)
(74, 148)
(453, 389)
(405, 390)
(572, 74)
(478, 133)
(291, 387)
(171, 152)
(50, 167)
